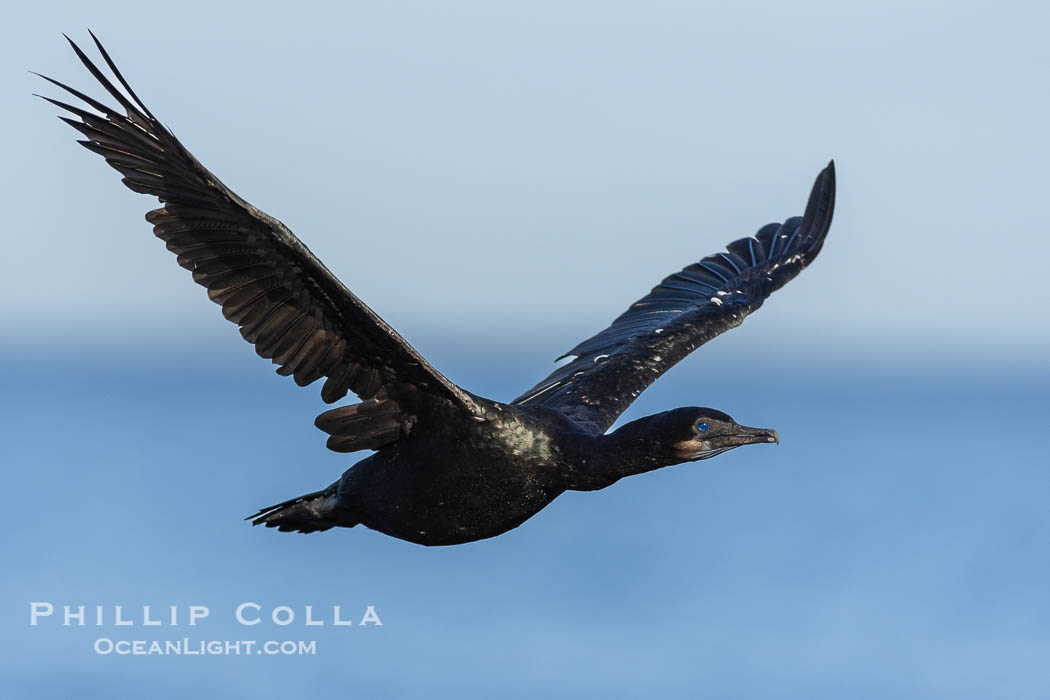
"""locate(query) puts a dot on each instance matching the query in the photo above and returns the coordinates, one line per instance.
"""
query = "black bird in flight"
(449, 467)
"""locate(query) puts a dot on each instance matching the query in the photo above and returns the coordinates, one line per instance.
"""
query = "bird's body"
(449, 467)
(458, 485)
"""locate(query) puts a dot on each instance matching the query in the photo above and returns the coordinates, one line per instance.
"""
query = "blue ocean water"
(894, 545)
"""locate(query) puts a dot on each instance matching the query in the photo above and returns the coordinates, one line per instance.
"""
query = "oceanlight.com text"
(213, 647)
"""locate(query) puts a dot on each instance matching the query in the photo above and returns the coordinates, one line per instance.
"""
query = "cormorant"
(449, 466)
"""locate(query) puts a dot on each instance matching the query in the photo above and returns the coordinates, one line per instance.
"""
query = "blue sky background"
(499, 182)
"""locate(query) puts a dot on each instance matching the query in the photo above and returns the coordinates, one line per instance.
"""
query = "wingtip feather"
(120, 77)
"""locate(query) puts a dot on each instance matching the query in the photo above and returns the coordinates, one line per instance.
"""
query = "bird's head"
(696, 433)
(672, 437)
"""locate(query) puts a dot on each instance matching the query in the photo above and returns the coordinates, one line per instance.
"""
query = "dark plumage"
(449, 467)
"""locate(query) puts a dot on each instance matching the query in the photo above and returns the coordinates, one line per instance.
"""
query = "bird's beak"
(750, 436)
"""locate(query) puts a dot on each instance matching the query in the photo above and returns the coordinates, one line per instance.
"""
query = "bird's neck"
(631, 449)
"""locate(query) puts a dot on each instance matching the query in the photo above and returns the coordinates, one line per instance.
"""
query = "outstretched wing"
(685, 311)
(286, 302)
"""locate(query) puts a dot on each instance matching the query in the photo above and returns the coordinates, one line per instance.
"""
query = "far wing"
(682, 313)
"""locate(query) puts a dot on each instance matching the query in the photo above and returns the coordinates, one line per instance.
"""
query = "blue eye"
(702, 426)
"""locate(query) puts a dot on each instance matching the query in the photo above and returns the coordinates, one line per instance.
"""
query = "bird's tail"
(313, 512)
